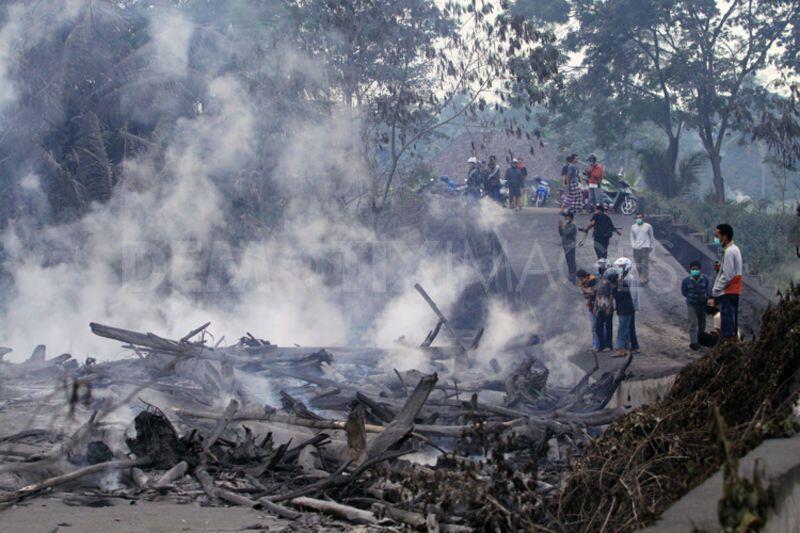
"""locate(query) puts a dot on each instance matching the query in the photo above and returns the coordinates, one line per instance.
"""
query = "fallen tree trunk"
(347, 512)
(70, 476)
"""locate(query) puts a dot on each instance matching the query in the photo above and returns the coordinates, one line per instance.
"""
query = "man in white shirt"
(642, 241)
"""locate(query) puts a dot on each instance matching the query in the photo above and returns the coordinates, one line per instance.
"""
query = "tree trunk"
(671, 164)
(716, 167)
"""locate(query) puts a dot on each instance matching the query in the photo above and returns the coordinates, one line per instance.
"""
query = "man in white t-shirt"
(642, 242)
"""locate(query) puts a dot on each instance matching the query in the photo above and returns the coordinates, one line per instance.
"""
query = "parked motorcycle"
(540, 194)
(623, 200)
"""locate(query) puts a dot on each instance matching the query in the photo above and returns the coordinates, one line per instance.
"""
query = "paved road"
(532, 244)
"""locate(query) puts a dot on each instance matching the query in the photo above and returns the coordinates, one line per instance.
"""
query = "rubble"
(378, 448)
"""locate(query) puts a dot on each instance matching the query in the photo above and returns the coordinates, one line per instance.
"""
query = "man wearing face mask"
(642, 241)
(695, 288)
(728, 284)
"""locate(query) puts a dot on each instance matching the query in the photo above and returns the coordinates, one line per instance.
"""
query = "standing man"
(492, 183)
(588, 284)
(514, 184)
(568, 232)
(594, 178)
(623, 301)
(642, 241)
(695, 288)
(524, 174)
(473, 180)
(603, 230)
(728, 285)
(625, 267)
(604, 311)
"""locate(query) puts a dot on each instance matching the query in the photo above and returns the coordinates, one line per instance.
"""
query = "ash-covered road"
(531, 242)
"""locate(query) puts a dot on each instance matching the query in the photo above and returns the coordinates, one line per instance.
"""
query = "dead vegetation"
(653, 456)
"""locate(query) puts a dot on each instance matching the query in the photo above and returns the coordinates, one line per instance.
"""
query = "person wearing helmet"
(623, 302)
(594, 177)
(568, 232)
(601, 265)
(625, 267)
(514, 184)
(473, 180)
(604, 310)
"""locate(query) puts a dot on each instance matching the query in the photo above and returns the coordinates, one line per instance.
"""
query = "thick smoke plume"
(171, 248)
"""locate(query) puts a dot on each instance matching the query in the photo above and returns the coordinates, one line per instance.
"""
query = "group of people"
(613, 288)
(610, 288)
(603, 229)
(573, 196)
(485, 179)
(719, 300)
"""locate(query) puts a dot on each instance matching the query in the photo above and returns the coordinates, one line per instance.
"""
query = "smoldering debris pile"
(651, 457)
(406, 448)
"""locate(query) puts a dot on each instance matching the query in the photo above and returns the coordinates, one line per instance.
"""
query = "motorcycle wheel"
(629, 205)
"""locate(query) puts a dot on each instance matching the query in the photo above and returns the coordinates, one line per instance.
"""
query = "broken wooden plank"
(403, 423)
(194, 332)
(462, 359)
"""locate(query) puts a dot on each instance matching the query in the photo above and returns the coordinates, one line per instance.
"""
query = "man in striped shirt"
(728, 284)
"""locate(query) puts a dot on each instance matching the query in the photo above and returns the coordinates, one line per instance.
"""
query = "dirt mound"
(648, 459)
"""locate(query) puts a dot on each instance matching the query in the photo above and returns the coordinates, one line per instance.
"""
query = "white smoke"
(159, 257)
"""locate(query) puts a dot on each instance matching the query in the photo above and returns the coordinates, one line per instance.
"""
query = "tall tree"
(682, 63)
(407, 68)
(723, 48)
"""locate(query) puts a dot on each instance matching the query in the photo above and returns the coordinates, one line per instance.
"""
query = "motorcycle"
(540, 194)
(623, 200)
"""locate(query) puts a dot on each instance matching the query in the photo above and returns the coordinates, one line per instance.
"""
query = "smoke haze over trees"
(153, 151)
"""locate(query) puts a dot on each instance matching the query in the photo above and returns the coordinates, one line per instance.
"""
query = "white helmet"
(472, 160)
(623, 263)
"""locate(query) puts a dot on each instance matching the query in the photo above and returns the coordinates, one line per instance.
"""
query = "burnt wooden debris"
(283, 431)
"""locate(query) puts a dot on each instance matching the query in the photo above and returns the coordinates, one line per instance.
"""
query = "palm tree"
(657, 171)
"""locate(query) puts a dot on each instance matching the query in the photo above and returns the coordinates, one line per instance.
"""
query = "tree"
(407, 68)
(661, 176)
(723, 47)
(626, 63)
(681, 63)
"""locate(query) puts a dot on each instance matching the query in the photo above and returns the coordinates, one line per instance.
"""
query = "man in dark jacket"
(514, 184)
(695, 288)
(623, 302)
(604, 313)
(492, 182)
(604, 228)
(568, 232)
(588, 285)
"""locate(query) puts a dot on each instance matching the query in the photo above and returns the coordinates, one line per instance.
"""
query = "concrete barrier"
(698, 508)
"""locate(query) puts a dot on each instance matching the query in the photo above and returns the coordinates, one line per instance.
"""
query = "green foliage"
(660, 175)
(765, 238)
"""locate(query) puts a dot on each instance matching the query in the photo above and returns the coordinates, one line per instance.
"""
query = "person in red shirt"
(595, 178)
